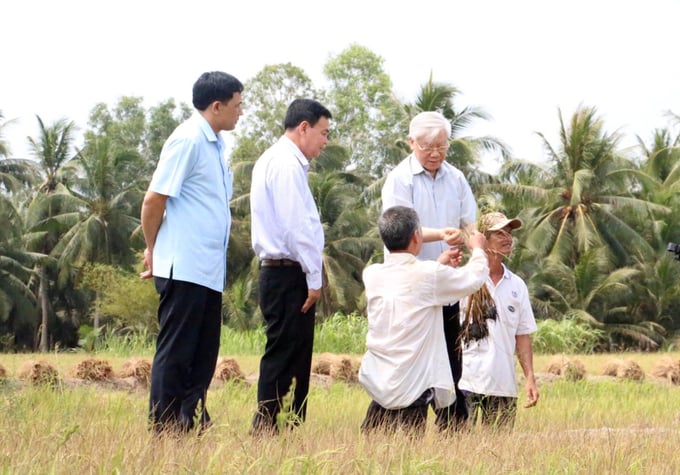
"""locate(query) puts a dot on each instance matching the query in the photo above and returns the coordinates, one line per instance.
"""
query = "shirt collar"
(417, 168)
(296, 151)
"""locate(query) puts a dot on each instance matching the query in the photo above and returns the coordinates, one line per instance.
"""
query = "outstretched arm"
(525, 355)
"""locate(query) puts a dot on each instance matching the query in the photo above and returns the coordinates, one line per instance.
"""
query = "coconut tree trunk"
(97, 318)
(44, 307)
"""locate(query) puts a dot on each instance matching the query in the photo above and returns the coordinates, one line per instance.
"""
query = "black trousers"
(411, 419)
(287, 358)
(190, 318)
(454, 416)
(498, 412)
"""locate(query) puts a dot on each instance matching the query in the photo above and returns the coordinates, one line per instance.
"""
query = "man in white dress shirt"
(406, 366)
(287, 237)
(488, 378)
(443, 199)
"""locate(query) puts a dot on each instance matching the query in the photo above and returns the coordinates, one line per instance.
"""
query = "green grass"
(597, 425)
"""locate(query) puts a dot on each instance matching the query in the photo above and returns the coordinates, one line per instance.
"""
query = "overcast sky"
(518, 60)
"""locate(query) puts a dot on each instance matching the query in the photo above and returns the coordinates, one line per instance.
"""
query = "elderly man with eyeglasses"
(443, 199)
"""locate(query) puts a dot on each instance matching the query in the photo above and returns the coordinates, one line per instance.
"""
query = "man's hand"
(451, 257)
(452, 236)
(148, 265)
(532, 393)
(476, 239)
(312, 296)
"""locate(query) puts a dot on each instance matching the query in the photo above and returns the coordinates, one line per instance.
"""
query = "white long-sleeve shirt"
(406, 350)
(285, 222)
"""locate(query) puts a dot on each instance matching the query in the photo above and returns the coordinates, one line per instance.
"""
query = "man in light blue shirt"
(186, 221)
(442, 197)
(288, 239)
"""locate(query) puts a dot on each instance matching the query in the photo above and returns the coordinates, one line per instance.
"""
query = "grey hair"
(428, 125)
(397, 225)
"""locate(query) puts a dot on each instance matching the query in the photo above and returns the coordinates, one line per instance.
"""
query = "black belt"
(279, 263)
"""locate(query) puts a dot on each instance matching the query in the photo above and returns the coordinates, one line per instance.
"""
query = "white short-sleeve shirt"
(489, 363)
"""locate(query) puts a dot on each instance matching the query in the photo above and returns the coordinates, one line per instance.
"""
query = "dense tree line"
(593, 248)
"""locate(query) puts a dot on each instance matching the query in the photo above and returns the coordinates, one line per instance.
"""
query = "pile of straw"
(38, 372)
(228, 369)
(137, 368)
(340, 367)
(569, 369)
(93, 370)
(667, 368)
(626, 369)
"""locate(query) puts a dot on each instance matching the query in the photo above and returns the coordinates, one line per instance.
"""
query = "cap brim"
(514, 223)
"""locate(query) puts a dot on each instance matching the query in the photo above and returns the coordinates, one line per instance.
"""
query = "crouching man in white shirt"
(406, 366)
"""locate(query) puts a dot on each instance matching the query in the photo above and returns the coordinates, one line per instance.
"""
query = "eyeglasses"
(429, 149)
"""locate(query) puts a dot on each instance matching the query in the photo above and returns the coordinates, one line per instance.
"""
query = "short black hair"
(397, 225)
(214, 86)
(304, 110)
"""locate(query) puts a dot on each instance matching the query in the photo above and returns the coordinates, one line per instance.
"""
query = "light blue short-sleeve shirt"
(443, 201)
(193, 236)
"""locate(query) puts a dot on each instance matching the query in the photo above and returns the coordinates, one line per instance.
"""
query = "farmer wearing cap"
(488, 379)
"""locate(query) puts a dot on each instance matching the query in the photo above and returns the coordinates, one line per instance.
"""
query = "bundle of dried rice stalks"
(340, 367)
(93, 370)
(569, 369)
(38, 372)
(228, 369)
(667, 368)
(137, 368)
(626, 369)
(480, 308)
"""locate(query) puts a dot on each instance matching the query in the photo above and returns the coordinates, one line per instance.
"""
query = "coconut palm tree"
(595, 293)
(347, 223)
(18, 311)
(581, 197)
(102, 206)
(465, 151)
(5, 150)
(51, 150)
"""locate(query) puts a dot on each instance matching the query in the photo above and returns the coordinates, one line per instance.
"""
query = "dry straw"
(625, 369)
(667, 368)
(569, 369)
(228, 369)
(38, 372)
(93, 369)
(137, 368)
(339, 367)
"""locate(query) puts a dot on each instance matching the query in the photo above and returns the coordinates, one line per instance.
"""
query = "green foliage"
(248, 342)
(565, 336)
(123, 299)
(341, 334)
(338, 334)
(139, 342)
